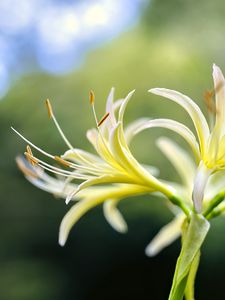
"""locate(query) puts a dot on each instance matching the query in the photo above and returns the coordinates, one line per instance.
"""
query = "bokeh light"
(55, 35)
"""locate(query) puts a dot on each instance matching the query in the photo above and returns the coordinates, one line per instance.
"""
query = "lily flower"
(209, 147)
(185, 167)
(109, 176)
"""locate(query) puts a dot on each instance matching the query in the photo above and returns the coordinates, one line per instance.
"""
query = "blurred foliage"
(174, 46)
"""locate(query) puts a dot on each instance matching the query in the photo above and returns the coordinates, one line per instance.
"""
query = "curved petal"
(123, 106)
(175, 126)
(104, 179)
(110, 107)
(113, 215)
(73, 215)
(133, 168)
(130, 130)
(180, 159)
(219, 87)
(126, 159)
(97, 197)
(200, 183)
(167, 235)
(193, 110)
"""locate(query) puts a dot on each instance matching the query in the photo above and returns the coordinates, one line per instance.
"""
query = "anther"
(29, 156)
(49, 108)
(91, 97)
(62, 161)
(103, 119)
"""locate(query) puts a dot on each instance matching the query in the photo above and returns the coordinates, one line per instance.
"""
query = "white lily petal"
(219, 86)
(175, 126)
(200, 182)
(113, 215)
(110, 107)
(215, 184)
(127, 160)
(180, 159)
(123, 106)
(92, 135)
(193, 110)
(167, 235)
(130, 130)
(98, 196)
(73, 215)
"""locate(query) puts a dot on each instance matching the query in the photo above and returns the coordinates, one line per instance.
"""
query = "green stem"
(213, 203)
(189, 291)
(193, 236)
(178, 202)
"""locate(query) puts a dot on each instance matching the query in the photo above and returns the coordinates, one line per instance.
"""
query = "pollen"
(62, 161)
(103, 119)
(91, 97)
(210, 104)
(49, 108)
(29, 156)
(208, 97)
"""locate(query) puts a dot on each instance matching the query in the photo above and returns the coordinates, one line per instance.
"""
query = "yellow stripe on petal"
(132, 167)
(193, 110)
(104, 179)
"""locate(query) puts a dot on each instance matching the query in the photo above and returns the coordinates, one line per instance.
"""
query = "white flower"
(209, 150)
(108, 177)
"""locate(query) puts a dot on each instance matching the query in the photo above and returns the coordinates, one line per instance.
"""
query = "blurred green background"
(174, 45)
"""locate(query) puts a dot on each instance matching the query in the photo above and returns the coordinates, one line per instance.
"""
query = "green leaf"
(194, 234)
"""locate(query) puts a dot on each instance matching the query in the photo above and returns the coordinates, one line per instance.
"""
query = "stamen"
(59, 171)
(29, 150)
(33, 161)
(49, 108)
(94, 113)
(62, 161)
(31, 144)
(103, 119)
(52, 116)
(91, 97)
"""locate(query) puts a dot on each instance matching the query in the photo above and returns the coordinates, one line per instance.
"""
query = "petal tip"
(62, 241)
(150, 251)
(217, 70)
